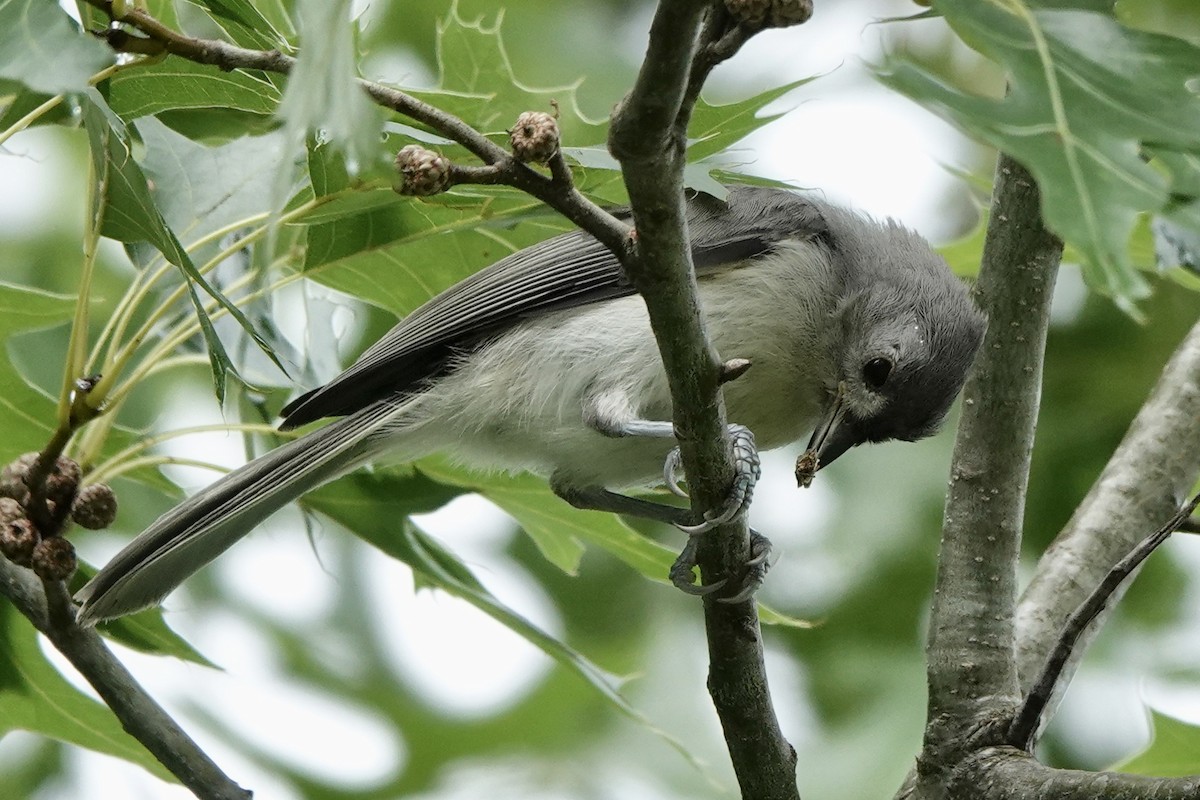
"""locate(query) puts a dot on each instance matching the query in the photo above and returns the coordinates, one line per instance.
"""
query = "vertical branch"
(972, 675)
(648, 137)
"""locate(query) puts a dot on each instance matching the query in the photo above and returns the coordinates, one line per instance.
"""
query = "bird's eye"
(876, 372)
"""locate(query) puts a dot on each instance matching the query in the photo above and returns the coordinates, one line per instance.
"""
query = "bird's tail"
(198, 530)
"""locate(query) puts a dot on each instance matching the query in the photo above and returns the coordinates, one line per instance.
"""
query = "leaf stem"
(115, 464)
(108, 470)
(48, 106)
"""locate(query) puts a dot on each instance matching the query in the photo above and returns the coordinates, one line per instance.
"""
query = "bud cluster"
(49, 555)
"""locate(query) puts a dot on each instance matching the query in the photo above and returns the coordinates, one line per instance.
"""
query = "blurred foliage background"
(341, 675)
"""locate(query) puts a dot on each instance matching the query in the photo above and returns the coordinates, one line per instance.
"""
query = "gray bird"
(545, 362)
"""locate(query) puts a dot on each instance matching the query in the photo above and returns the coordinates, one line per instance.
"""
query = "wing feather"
(567, 271)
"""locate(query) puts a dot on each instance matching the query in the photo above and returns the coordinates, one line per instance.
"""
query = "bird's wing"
(567, 271)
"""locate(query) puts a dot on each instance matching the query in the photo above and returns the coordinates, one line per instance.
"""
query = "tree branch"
(551, 190)
(648, 137)
(1025, 726)
(972, 675)
(140, 716)
(1153, 469)
(1012, 774)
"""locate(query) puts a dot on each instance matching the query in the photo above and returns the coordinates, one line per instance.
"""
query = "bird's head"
(906, 348)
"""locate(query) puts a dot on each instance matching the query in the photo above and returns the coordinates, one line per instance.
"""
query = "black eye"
(876, 372)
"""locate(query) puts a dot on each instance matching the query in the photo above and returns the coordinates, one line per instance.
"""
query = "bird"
(544, 362)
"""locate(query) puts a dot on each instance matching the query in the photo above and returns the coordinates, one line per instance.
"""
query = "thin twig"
(49, 608)
(1027, 721)
(562, 197)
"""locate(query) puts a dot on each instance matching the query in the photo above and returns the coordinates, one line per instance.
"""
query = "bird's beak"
(832, 437)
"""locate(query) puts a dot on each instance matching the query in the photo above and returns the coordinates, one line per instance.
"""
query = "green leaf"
(322, 92)
(244, 24)
(714, 129)
(28, 414)
(1172, 752)
(771, 616)
(431, 558)
(1085, 94)
(218, 357)
(557, 528)
(26, 101)
(131, 215)
(436, 566)
(205, 188)
(477, 83)
(176, 84)
(398, 254)
(1172, 17)
(964, 253)
(372, 503)
(36, 698)
(41, 47)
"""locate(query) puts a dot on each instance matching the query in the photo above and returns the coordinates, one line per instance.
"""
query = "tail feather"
(195, 532)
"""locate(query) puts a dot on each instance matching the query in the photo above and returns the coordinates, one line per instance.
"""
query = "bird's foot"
(683, 571)
(747, 469)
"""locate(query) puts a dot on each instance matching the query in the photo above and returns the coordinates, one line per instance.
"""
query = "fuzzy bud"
(422, 172)
(11, 510)
(18, 539)
(12, 478)
(534, 137)
(54, 559)
(95, 507)
(63, 482)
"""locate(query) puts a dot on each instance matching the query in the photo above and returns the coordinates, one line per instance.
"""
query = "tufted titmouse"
(545, 362)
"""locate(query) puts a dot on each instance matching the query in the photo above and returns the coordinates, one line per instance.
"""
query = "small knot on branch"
(733, 369)
(770, 13)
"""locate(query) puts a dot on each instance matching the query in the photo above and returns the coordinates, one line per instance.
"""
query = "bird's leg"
(597, 498)
(610, 414)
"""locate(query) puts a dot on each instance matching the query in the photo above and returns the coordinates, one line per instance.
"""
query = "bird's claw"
(683, 575)
(671, 468)
(683, 571)
(747, 469)
(756, 569)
